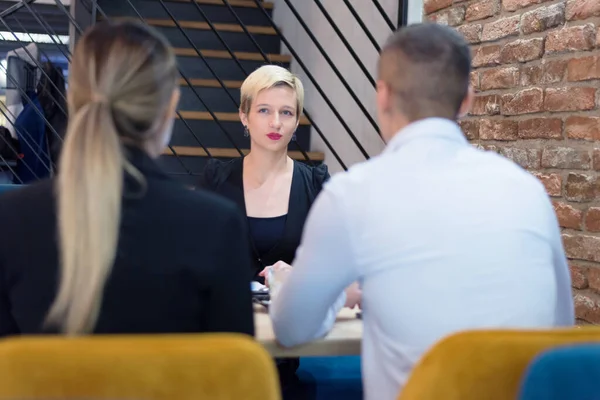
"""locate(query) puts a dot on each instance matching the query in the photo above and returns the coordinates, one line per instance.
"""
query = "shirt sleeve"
(311, 297)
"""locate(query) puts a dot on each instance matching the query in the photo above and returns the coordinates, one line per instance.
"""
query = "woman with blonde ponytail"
(113, 245)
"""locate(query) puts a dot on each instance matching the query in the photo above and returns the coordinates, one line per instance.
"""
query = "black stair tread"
(214, 11)
(219, 152)
(202, 35)
(222, 116)
(241, 55)
(234, 3)
(255, 29)
(212, 83)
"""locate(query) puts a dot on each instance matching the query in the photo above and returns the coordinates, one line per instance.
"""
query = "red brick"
(524, 102)
(580, 188)
(531, 75)
(586, 128)
(568, 216)
(431, 6)
(482, 9)
(513, 5)
(593, 276)
(540, 128)
(499, 78)
(582, 9)
(486, 56)
(578, 276)
(554, 71)
(574, 38)
(526, 158)
(583, 69)
(548, 72)
(522, 50)
(570, 99)
(470, 128)
(596, 159)
(587, 307)
(552, 183)
(486, 105)
(491, 147)
(592, 219)
(543, 18)
(474, 80)
(452, 17)
(492, 129)
(582, 247)
(501, 28)
(472, 33)
(565, 158)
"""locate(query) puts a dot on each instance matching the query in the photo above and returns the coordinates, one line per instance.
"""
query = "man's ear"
(467, 103)
(384, 98)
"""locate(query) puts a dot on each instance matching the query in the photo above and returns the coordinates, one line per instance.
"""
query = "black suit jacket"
(226, 179)
(182, 263)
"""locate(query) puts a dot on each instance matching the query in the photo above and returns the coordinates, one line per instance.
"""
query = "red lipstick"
(274, 136)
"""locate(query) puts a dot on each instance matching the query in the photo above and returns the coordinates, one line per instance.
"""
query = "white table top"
(343, 339)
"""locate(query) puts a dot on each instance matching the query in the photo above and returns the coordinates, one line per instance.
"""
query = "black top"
(226, 179)
(266, 232)
(181, 266)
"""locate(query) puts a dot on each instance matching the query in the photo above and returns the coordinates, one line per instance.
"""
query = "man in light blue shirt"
(442, 237)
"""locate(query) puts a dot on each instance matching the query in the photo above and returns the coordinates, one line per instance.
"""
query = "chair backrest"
(484, 364)
(569, 372)
(146, 367)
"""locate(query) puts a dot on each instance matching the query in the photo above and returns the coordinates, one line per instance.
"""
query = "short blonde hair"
(267, 77)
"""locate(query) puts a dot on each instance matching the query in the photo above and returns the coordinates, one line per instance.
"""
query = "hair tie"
(99, 99)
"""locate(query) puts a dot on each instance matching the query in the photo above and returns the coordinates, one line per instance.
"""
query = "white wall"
(349, 69)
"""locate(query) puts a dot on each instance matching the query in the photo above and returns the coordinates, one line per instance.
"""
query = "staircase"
(208, 124)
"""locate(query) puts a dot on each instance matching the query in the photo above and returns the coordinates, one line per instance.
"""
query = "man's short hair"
(427, 66)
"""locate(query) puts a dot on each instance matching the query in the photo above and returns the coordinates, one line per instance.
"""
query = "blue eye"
(288, 112)
(262, 110)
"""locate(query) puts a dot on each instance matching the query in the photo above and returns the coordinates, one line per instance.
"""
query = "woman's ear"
(243, 118)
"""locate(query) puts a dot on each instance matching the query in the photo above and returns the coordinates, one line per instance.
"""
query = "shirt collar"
(439, 128)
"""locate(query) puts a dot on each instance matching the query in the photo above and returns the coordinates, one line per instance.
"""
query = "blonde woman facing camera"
(126, 256)
(272, 190)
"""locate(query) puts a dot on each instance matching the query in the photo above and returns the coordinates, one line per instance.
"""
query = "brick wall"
(537, 75)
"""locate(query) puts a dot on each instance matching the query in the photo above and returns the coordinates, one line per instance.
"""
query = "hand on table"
(353, 296)
(275, 275)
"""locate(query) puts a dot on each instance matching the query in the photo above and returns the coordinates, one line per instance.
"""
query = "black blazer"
(226, 179)
(182, 263)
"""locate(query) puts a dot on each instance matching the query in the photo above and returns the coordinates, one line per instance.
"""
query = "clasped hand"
(353, 292)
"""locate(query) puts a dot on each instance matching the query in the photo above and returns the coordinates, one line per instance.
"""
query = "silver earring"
(294, 137)
(246, 132)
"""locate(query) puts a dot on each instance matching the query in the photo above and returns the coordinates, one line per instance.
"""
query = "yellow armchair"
(484, 365)
(146, 367)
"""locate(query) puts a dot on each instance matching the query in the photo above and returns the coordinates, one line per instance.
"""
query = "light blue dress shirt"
(442, 236)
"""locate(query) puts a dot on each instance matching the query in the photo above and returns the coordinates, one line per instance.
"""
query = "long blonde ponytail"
(121, 81)
(89, 208)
